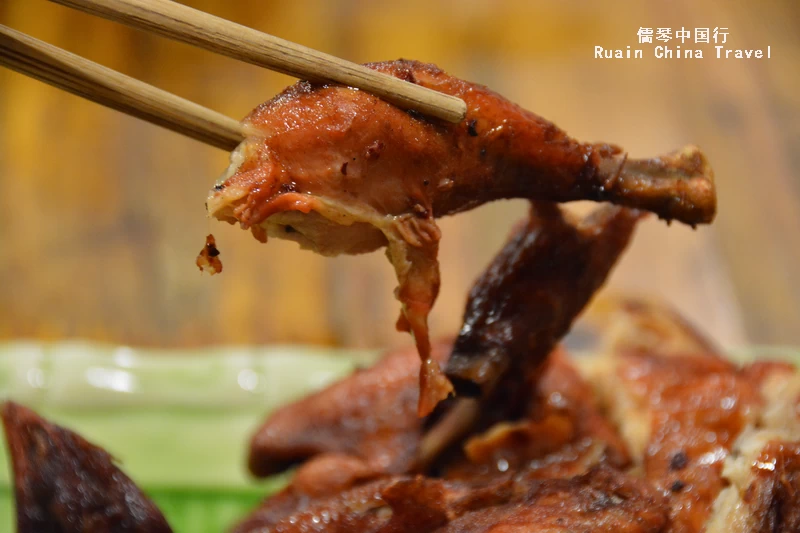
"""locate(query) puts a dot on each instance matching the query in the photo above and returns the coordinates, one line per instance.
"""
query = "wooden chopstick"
(203, 30)
(82, 77)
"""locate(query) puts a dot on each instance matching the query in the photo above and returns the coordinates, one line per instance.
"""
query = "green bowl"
(178, 421)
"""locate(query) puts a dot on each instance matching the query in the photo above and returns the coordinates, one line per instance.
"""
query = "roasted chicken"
(367, 423)
(717, 443)
(533, 290)
(516, 313)
(342, 172)
(711, 446)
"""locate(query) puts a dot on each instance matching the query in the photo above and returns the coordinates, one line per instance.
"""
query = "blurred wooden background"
(101, 216)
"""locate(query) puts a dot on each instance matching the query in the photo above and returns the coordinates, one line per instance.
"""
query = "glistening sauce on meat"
(698, 406)
(349, 173)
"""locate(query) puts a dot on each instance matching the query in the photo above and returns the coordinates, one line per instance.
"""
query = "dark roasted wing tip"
(64, 483)
(534, 289)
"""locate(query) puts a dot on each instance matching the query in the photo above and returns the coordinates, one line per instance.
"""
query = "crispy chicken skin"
(703, 418)
(699, 425)
(762, 472)
(341, 171)
(366, 421)
(533, 290)
(64, 484)
(773, 495)
(709, 402)
(601, 500)
(522, 305)
(354, 510)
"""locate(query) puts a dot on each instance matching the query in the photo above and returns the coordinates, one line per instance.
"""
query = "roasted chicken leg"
(341, 171)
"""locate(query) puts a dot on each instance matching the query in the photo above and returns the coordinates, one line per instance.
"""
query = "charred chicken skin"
(602, 500)
(341, 171)
(533, 290)
(64, 484)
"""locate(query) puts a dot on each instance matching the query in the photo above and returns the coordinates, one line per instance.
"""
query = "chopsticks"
(95, 82)
(203, 30)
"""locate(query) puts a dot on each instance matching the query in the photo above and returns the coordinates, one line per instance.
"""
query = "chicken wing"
(532, 292)
(65, 484)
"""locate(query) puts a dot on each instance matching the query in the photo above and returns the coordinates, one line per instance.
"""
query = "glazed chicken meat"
(342, 172)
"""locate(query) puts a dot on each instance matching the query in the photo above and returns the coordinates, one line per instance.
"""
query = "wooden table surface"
(101, 216)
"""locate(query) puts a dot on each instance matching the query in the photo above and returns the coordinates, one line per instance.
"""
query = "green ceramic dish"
(178, 421)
